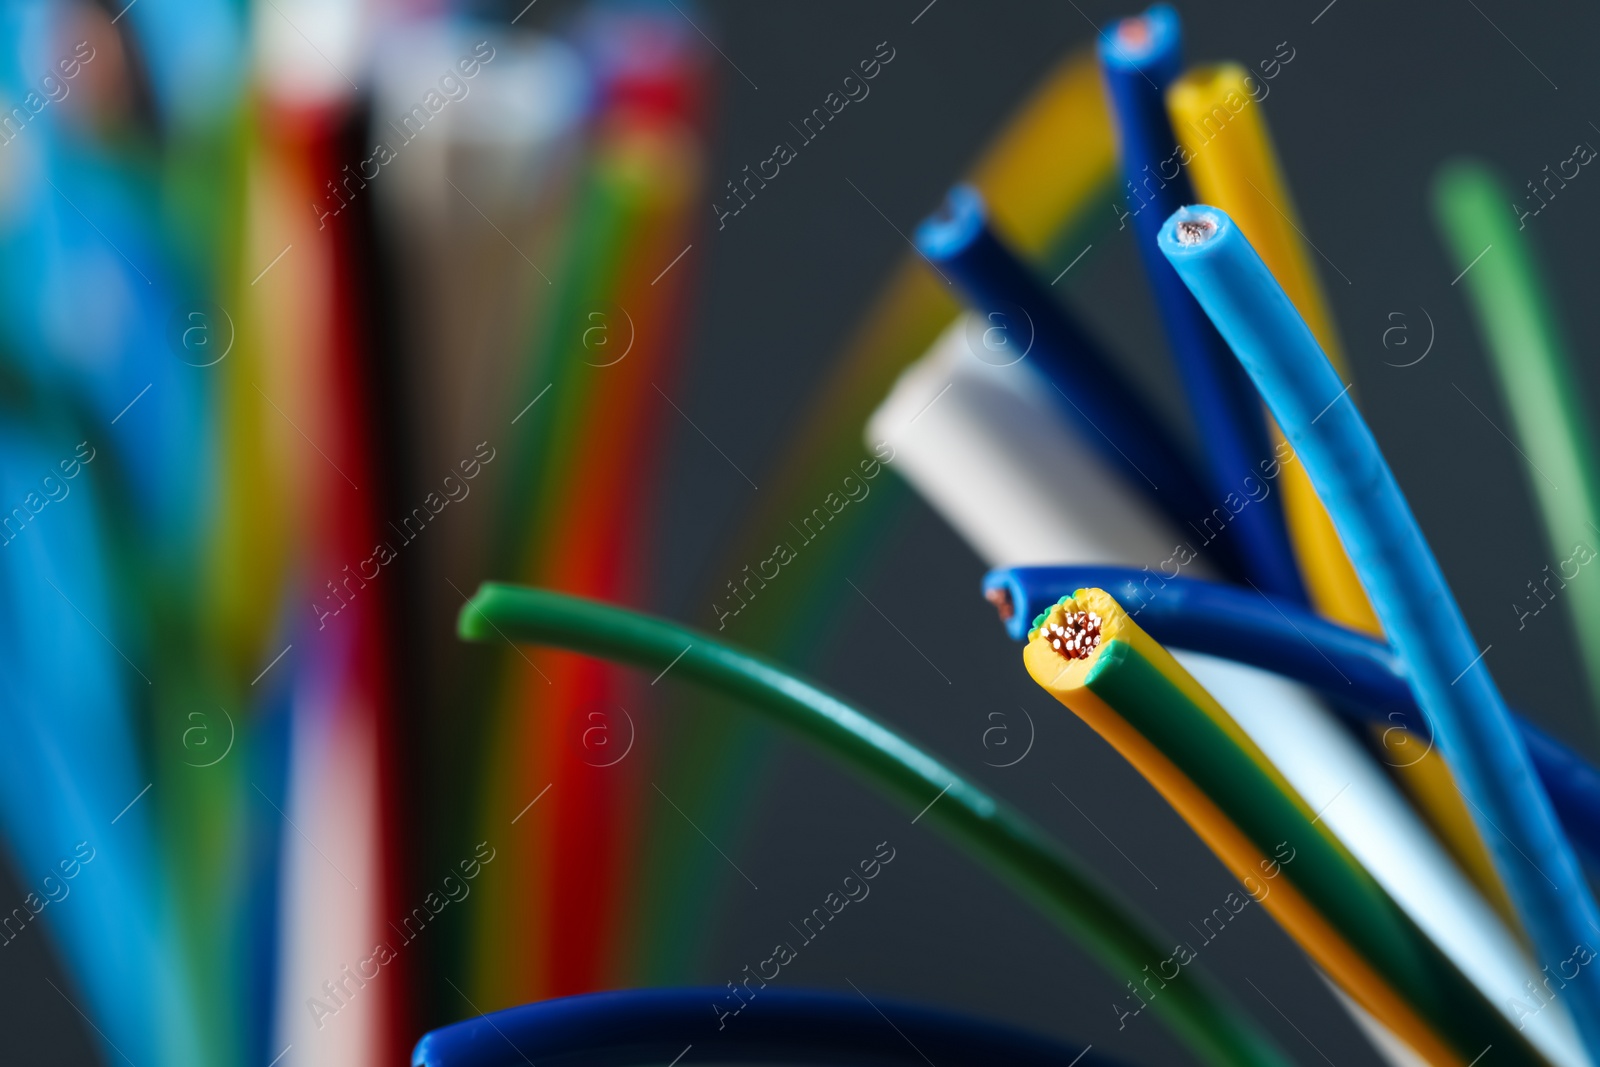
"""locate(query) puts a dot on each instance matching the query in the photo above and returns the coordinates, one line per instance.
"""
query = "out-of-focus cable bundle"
(319, 315)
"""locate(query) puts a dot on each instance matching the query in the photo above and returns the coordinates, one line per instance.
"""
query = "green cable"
(1136, 679)
(1473, 210)
(1200, 1014)
(716, 754)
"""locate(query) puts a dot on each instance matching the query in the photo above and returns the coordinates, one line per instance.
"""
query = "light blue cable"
(70, 771)
(1444, 664)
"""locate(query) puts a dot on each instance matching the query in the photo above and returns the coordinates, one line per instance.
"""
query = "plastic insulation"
(1216, 112)
(986, 447)
(1361, 676)
(1015, 319)
(1091, 656)
(1535, 371)
(1198, 1013)
(1397, 568)
(633, 1026)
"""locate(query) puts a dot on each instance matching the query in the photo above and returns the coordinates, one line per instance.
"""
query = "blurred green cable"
(1474, 211)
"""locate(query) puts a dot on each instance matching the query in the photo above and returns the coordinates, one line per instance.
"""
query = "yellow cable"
(1068, 682)
(1031, 184)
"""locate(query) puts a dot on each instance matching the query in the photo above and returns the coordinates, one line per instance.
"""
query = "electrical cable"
(988, 449)
(1123, 430)
(1361, 676)
(623, 1028)
(1091, 656)
(1239, 173)
(1139, 58)
(1534, 369)
(1443, 663)
(1004, 840)
(1198, 620)
(1217, 112)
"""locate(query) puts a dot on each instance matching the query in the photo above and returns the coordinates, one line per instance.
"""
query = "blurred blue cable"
(637, 1026)
(69, 771)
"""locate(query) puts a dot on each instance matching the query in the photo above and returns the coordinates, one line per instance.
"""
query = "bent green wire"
(1199, 1013)
(1088, 653)
(1536, 377)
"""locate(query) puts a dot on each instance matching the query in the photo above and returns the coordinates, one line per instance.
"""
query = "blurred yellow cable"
(1039, 173)
(1038, 177)
(1233, 166)
(252, 544)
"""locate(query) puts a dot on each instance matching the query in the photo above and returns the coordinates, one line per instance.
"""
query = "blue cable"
(1139, 58)
(1360, 675)
(1443, 663)
(70, 769)
(1108, 414)
(638, 1026)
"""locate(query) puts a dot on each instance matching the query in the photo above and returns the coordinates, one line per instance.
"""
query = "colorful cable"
(1239, 172)
(1536, 375)
(1139, 58)
(1418, 612)
(1091, 656)
(1003, 840)
(1109, 416)
(1361, 676)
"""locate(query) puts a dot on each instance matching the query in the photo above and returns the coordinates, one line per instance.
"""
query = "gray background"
(1376, 97)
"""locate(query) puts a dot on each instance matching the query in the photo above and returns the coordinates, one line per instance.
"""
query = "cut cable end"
(1195, 230)
(1067, 641)
(1000, 597)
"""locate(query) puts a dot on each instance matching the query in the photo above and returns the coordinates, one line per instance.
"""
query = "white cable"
(1362, 807)
(986, 448)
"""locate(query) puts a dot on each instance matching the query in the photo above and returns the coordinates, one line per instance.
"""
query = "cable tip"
(1196, 232)
(1075, 636)
(954, 226)
(1195, 229)
(1134, 33)
(1076, 640)
(1000, 597)
(1150, 40)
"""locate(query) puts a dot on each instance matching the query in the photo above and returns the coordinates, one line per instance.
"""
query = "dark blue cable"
(1139, 58)
(644, 1026)
(1361, 676)
(1016, 317)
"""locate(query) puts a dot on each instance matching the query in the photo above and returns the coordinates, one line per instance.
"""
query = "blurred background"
(288, 281)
